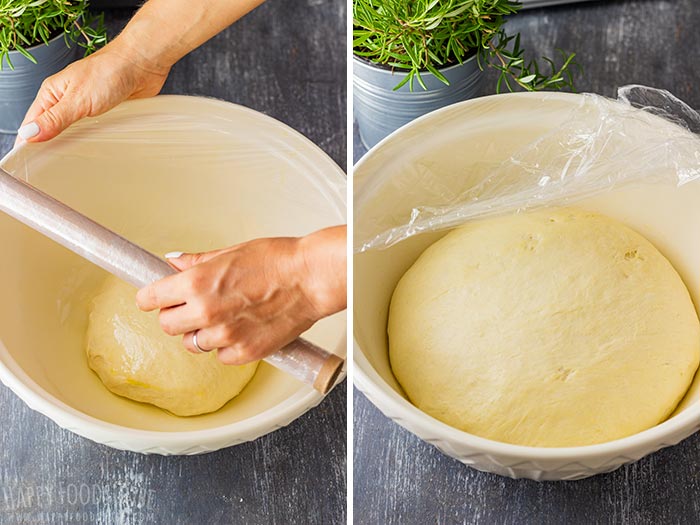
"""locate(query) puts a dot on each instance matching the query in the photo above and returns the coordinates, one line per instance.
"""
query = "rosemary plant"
(425, 35)
(26, 23)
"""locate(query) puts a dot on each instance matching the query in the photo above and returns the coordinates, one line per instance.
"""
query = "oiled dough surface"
(555, 328)
(134, 358)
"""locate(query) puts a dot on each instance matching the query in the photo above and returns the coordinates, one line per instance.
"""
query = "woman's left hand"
(250, 300)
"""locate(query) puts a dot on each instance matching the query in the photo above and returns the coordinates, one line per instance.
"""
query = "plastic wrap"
(599, 146)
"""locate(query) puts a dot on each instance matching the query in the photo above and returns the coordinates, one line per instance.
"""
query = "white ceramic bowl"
(171, 173)
(456, 143)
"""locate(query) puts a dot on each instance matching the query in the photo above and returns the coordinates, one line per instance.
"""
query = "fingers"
(43, 100)
(165, 293)
(249, 341)
(234, 355)
(188, 343)
(53, 110)
(53, 121)
(184, 261)
(49, 122)
(180, 320)
(229, 350)
(210, 338)
(242, 352)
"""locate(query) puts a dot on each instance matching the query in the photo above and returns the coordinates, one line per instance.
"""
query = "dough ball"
(134, 358)
(555, 328)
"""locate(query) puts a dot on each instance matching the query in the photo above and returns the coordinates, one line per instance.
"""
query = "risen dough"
(136, 359)
(555, 328)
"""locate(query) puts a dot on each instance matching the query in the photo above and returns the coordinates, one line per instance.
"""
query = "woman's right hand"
(90, 87)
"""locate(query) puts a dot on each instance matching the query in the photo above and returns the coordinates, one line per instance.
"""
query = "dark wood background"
(286, 59)
(400, 479)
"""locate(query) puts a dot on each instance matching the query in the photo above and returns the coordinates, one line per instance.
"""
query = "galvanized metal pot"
(19, 86)
(379, 109)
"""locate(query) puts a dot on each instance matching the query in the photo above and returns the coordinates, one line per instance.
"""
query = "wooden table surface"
(400, 479)
(286, 59)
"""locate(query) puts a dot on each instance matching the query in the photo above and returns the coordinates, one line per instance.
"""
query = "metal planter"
(380, 110)
(19, 86)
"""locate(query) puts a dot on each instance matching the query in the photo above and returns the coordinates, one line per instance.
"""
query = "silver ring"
(198, 348)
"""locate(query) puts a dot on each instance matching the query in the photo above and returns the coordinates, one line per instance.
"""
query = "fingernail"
(28, 130)
(173, 255)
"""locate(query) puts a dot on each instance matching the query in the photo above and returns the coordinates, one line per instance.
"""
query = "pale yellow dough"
(134, 358)
(556, 328)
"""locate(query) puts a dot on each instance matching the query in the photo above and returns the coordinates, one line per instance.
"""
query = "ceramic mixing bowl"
(171, 173)
(446, 148)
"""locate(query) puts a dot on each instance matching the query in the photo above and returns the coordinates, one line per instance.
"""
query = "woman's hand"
(134, 65)
(250, 300)
(90, 87)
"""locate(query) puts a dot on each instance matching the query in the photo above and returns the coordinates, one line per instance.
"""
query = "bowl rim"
(37, 398)
(394, 406)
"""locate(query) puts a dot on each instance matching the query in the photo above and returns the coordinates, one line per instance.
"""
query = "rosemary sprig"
(425, 35)
(26, 23)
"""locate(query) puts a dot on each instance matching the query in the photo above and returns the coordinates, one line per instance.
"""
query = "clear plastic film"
(646, 135)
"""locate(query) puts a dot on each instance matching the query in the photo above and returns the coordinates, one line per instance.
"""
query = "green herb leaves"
(515, 71)
(26, 23)
(424, 35)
